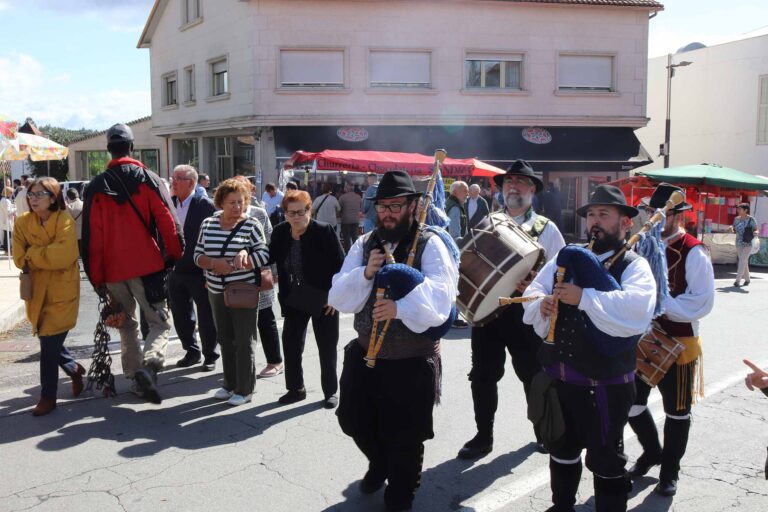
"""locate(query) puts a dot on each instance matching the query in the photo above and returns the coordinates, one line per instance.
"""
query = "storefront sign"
(536, 135)
(352, 133)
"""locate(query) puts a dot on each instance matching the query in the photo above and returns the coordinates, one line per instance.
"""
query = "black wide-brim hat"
(662, 194)
(520, 168)
(395, 184)
(608, 195)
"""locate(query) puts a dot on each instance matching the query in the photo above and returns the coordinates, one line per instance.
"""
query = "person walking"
(351, 205)
(7, 212)
(130, 237)
(745, 227)
(307, 253)
(326, 208)
(75, 207)
(45, 247)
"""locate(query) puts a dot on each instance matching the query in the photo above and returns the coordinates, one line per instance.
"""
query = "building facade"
(238, 86)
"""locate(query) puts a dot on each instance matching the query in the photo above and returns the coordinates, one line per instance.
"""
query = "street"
(193, 453)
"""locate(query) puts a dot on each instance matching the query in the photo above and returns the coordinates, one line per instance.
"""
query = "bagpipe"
(396, 280)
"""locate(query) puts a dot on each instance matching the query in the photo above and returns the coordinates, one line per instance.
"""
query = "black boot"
(611, 493)
(645, 428)
(404, 475)
(485, 399)
(564, 482)
(377, 466)
(675, 442)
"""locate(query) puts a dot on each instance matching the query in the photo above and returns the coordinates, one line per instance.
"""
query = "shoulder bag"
(749, 231)
(25, 284)
(240, 295)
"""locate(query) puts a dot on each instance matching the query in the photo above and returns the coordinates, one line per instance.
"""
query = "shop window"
(762, 115)
(311, 68)
(185, 152)
(169, 90)
(494, 71)
(400, 68)
(585, 73)
(149, 157)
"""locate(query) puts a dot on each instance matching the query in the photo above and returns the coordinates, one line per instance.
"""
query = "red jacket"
(119, 246)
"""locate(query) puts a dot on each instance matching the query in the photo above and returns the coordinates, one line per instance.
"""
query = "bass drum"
(495, 256)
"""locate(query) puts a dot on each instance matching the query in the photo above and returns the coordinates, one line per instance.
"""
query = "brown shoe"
(77, 380)
(44, 406)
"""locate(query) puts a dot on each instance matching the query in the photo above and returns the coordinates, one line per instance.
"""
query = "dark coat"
(321, 256)
(200, 208)
(481, 212)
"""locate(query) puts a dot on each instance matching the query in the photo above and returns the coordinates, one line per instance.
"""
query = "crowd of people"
(176, 257)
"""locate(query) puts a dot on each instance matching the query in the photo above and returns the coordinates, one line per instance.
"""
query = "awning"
(575, 149)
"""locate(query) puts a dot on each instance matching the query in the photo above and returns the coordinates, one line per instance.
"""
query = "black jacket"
(200, 208)
(321, 256)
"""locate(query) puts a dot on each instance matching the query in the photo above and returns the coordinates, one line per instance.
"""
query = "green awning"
(708, 174)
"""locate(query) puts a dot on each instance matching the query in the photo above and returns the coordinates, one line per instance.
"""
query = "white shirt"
(620, 313)
(427, 305)
(471, 206)
(550, 239)
(270, 203)
(699, 297)
(182, 209)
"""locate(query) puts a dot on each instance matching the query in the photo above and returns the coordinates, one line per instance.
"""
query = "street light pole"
(668, 125)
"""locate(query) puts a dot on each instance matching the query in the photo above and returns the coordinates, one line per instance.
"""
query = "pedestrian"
(272, 199)
(387, 409)
(16, 188)
(691, 297)
(326, 208)
(45, 248)
(455, 209)
(75, 207)
(307, 253)
(231, 249)
(477, 207)
(7, 211)
(187, 292)
(369, 222)
(130, 237)
(745, 227)
(508, 331)
(21, 193)
(203, 183)
(593, 384)
(351, 206)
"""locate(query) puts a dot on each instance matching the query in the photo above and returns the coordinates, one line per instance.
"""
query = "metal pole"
(668, 125)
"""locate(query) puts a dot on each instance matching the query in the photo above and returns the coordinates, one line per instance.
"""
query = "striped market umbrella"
(34, 147)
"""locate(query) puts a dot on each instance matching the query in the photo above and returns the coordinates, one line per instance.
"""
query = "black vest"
(572, 340)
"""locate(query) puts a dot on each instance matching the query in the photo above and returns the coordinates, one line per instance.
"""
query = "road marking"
(504, 496)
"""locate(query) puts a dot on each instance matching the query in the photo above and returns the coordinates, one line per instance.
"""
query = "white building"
(238, 86)
(719, 108)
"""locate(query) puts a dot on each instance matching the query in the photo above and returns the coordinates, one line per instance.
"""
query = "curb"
(12, 316)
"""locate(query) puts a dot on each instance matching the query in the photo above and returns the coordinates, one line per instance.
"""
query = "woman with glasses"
(307, 254)
(45, 246)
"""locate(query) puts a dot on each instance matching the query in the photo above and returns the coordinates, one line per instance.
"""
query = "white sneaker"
(236, 400)
(222, 394)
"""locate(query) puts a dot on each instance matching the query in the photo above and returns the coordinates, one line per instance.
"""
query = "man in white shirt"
(271, 198)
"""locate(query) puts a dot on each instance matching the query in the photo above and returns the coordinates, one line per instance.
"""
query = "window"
(219, 77)
(190, 11)
(148, 157)
(762, 114)
(311, 68)
(585, 73)
(96, 162)
(169, 89)
(189, 79)
(399, 68)
(494, 71)
(185, 152)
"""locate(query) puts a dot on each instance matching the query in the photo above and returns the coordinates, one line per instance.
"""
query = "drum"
(656, 352)
(495, 256)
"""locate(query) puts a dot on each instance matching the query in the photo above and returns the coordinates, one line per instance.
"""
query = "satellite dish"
(690, 47)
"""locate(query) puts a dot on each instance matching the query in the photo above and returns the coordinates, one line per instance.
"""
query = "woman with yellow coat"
(45, 245)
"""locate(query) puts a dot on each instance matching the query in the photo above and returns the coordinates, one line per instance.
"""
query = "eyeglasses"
(38, 195)
(296, 213)
(180, 178)
(394, 207)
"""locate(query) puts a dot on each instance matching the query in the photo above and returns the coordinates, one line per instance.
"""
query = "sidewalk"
(11, 307)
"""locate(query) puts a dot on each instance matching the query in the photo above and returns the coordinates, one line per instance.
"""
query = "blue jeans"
(53, 353)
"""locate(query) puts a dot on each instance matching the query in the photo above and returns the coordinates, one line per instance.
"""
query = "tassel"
(652, 249)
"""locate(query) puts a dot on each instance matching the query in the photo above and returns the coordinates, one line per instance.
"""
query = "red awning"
(380, 162)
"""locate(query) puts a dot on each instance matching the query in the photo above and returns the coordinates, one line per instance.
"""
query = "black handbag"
(749, 232)
(306, 298)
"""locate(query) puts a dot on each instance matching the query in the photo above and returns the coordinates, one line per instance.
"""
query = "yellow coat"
(50, 251)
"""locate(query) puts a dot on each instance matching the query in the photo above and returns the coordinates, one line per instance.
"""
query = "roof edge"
(149, 26)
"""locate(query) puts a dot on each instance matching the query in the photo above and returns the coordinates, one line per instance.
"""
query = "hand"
(329, 311)
(757, 379)
(375, 262)
(522, 285)
(568, 293)
(384, 309)
(547, 306)
(241, 260)
(222, 266)
(101, 291)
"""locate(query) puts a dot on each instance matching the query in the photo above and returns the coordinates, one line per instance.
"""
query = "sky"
(74, 63)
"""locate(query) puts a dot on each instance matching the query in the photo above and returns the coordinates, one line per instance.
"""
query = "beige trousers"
(128, 294)
(743, 269)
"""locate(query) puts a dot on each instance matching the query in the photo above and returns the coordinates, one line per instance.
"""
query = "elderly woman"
(307, 253)
(45, 245)
(231, 249)
(743, 223)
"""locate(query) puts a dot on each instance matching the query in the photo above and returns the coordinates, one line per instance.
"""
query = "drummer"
(507, 331)
(691, 297)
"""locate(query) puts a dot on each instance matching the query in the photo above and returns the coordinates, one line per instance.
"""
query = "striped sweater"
(211, 240)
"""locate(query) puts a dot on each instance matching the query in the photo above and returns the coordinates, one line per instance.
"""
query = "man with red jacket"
(131, 235)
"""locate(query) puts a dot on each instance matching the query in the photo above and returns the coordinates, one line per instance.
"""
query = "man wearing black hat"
(508, 331)
(593, 383)
(387, 409)
(691, 297)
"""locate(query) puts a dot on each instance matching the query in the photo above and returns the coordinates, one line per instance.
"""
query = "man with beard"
(593, 384)
(387, 409)
(507, 331)
(691, 297)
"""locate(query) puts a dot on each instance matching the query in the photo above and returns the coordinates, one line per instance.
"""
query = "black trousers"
(186, 289)
(326, 329)
(270, 339)
(387, 410)
(507, 332)
(349, 235)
